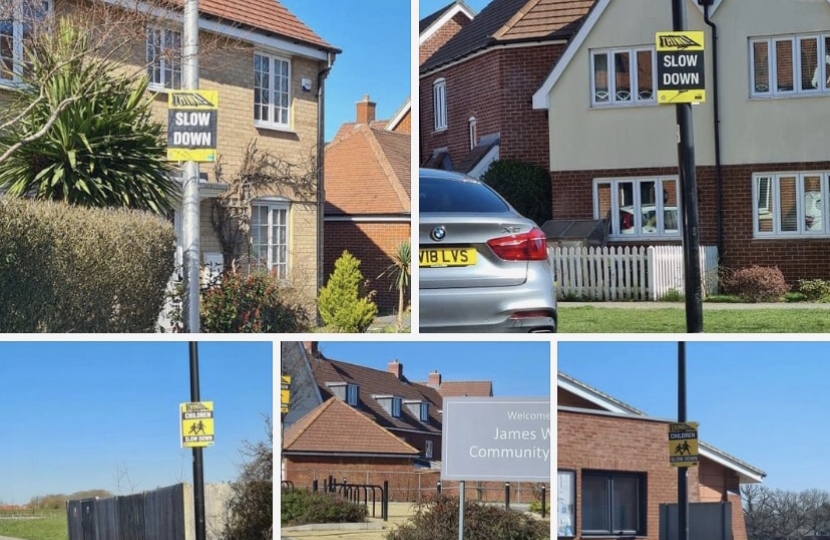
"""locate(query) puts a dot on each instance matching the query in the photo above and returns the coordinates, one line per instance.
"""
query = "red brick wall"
(443, 35)
(373, 244)
(597, 442)
(405, 125)
(797, 258)
(418, 440)
(496, 89)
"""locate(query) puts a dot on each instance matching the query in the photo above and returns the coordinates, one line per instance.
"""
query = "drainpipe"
(321, 190)
(718, 168)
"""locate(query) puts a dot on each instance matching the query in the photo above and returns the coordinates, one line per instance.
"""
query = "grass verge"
(52, 527)
(589, 319)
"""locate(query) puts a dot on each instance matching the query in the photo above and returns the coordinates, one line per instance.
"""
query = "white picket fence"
(627, 273)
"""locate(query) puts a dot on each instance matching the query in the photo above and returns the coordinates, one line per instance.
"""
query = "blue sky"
(517, 369)
(375, 37)
(425, 7)
(73, 413)
(758, 401)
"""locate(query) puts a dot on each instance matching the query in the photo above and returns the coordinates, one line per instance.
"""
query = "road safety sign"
(683, 448)
(285, 393)
(197, 424)
(680, 71)
(191, 125)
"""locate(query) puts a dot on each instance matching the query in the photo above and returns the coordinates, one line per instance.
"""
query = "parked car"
(483, 266)
(648, 219)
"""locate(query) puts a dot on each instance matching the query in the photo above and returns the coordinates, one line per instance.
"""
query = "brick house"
(761, 190)
(368, 191)
(612, 456)
(476, 89)
(363, 424)
(437, 28)
(269, 70)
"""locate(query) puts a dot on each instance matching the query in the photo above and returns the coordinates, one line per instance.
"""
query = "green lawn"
(590, 319)
(47, 528)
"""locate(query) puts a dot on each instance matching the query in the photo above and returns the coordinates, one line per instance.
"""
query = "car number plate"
(441, 257)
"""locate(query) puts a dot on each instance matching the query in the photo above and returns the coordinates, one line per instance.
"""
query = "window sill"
(274, 127)
(6, 84)
(790, 237)
(439, 130)
(623, 105)
(158, 89)
(789, 95)
(640, 238)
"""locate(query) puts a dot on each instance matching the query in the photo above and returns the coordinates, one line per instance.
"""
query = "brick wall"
(405, 125)
(372, 243)
(496, 89)
(797, 258)
(606, 443)
(441, 36)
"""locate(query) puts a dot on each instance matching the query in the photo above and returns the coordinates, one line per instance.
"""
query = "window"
(272, 91)
(18, 19)
(352, 394)
(623, 77)
(428, 450)
(613, 503)
(269, 236)
(790, 204)
(439, 103)
(790, 65)
(473, 132)
(638, 208)
(164, 57)
(396, 407)
(424, 411)
(566, 497)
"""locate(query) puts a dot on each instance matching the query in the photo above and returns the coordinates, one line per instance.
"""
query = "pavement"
(382, 324)
(707, 306)
(9, 538)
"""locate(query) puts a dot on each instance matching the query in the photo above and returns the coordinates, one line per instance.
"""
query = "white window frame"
(424, 412)
(275, 206)
(159, 59)
(473, 131)
(352, 393)
(439, 104)
(18, 24)
(821, 73)
(273, 118)
(428, 449)
(616, 204)
(397, 404)
(774, 209)
(615, 100)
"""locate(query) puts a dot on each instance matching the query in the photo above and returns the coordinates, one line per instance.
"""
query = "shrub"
(438, 520)
(342, 304)
(757, 283)
(75, 269)
(814, 290)
(247, 304)
(525, 186)
(302, 506)
(672, 295)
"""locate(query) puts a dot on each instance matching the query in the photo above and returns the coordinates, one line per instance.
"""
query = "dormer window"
(391, 404)
(347, 392)
(424, 411)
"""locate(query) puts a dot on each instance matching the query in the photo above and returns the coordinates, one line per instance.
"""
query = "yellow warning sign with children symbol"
(197, 424)
(683, 444)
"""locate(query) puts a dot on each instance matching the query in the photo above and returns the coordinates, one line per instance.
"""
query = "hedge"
(75, 269)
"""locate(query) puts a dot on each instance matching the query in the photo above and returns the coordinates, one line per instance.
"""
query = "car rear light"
(529, 246)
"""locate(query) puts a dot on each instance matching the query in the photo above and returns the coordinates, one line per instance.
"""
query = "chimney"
(365, 111)
(395, 368)
(434, 379)
(311, 348)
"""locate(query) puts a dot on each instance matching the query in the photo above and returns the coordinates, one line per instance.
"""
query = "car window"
(458, 197)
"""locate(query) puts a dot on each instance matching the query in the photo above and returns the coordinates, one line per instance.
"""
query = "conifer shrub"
(524, 185)
(343, 304)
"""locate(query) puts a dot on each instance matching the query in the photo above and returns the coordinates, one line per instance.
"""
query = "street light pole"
(190, 176)
(682, 477)
(689, 208)
(198, 466)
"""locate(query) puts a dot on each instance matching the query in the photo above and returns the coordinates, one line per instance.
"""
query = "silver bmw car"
(483, 267)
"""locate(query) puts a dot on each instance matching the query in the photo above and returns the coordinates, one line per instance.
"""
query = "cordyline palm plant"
(399, 271)
(85, 134)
